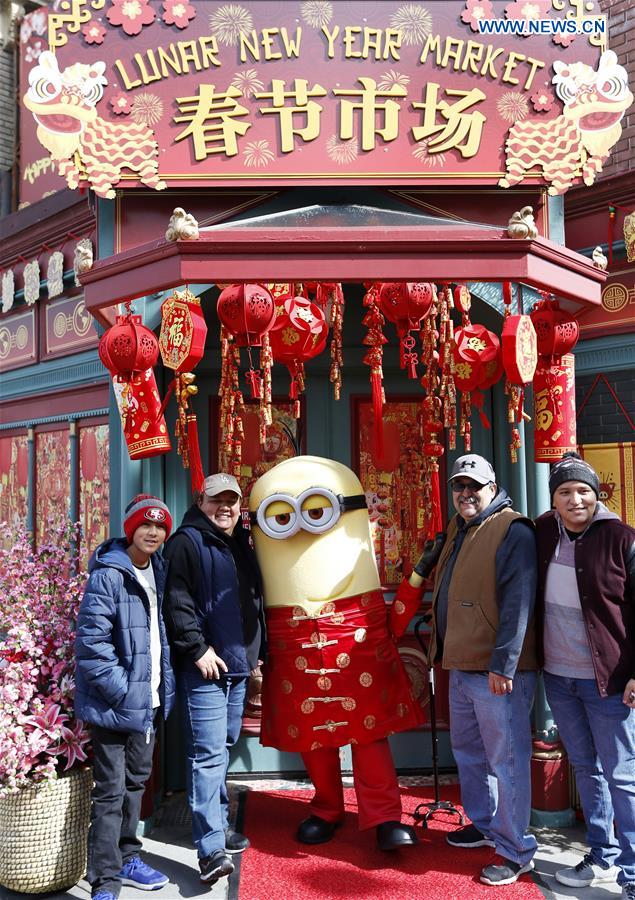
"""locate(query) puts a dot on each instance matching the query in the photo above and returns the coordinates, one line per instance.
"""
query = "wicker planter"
(43, 833)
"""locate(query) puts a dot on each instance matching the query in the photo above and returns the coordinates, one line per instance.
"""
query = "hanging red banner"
(554, 408)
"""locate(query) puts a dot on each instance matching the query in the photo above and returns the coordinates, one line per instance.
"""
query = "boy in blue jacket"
(123, 676)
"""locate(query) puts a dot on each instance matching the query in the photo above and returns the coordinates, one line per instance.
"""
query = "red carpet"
(351, 866)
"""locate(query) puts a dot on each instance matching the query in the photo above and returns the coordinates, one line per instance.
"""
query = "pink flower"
(531, 10)
(563, 40)
(73, 742)
(132, 15)
(178, 12)
(476, 11)
(93, 32)
(542, 100)
(50, 721)
(120, 104)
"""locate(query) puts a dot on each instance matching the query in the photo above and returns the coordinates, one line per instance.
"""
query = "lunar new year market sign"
(170, 93)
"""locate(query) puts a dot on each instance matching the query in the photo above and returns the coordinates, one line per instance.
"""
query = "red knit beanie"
(145, 509)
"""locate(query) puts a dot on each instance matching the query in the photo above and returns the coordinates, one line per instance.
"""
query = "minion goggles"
(315, 510)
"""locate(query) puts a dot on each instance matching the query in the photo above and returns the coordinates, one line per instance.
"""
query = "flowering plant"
(40, 593)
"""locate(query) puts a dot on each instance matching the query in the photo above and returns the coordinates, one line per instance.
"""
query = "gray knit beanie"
(573, 468)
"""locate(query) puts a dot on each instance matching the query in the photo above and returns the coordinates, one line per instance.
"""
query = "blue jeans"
(491, 742)
(599, 736)
(212, 711)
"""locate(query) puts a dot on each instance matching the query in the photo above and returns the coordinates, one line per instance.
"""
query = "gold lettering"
(268, 35)
(432, 45)
(534, 65)
(350, 36)
(128, 84)
(291, 45)
(473, 55)
(148, 76)
(512, 61)
(372, 41)
(189, 54)
(253, 48)
(393, 43)
(490, 55)
(453, 50)
(330, 37)
(168, 57)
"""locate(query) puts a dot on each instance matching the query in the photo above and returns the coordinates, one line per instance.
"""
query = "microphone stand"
(438, 805)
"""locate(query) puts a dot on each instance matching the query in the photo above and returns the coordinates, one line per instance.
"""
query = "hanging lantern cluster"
(554, 382)
(247, 313)
(182, 344)
(520, 357)
(375, 340)
(129, 351)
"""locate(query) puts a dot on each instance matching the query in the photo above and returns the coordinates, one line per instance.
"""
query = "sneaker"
(103, 895)
(235, 842)
(586, 873)
(215, 866)
(628, 890)
(467, 837)
(504, 871)
(140, 875)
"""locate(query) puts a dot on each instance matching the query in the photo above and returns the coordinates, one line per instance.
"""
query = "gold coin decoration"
(365, 679)
(343, 660)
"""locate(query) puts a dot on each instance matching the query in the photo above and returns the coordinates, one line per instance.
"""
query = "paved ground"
(168, 848)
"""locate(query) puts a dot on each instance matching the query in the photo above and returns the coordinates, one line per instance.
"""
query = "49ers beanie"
(144, 509)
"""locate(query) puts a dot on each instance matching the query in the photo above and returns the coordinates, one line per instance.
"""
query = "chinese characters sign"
(174, 93)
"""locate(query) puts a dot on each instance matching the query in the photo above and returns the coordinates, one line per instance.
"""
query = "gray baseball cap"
(216, 484)
(475, 467)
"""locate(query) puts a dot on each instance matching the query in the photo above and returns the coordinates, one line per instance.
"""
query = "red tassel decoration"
(197, 475)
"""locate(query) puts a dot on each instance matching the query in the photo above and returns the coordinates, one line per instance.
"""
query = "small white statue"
(599, 259)
(83, 258)
(182, 226)
(522, 226)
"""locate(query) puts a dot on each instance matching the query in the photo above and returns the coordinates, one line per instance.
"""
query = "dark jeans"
(121, 765)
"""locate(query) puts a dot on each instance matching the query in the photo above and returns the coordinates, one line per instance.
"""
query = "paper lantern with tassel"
(406, 304)
(557, 331)
(247, 311)
(299, 334)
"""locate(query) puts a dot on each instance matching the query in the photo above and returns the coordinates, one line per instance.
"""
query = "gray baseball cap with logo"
(475, 467)
(216, 484)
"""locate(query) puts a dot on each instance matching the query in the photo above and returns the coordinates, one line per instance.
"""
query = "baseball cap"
(216, 484)
(475, 467)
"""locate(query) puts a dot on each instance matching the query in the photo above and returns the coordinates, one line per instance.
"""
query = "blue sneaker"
(140, 875)
(103, 895)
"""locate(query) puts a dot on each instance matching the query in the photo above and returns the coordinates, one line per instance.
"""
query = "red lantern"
(556, 331)
(139, 406)
(247, 311)
(299, 334)
(128, 347)
(462, 298)
(492, 372)
(406, 303)
(554, 408)
(475, 343)
(520, 351)
(183, 331)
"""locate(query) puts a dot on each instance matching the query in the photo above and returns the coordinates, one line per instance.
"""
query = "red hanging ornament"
(406, 304)
(247, 311)
(375, 340)
(557, 331)
(554, 408)
(299, 334)
(128, 347)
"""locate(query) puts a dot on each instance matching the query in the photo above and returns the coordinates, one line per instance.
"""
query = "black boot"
(315, 830)
(392, 835)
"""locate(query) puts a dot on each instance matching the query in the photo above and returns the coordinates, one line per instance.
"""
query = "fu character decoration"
(129, 351)
(182, 344)
(333, 675)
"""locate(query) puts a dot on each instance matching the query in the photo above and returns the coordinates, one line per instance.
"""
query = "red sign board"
(17, 340)
(69, 326)
(188, 93)
(616, 314)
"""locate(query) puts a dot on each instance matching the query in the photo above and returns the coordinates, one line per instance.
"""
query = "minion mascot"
(333, 675)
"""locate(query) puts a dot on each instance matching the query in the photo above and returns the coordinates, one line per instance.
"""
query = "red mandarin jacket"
(334, 678)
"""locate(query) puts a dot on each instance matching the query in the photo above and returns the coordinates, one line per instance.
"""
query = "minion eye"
(318, 512)
(280, 519)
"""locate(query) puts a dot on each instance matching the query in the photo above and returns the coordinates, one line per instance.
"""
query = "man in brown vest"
(483, 631)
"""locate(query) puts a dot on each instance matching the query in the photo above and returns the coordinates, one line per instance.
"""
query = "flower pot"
(43, 834)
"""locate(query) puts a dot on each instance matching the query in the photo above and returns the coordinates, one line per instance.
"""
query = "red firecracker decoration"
(557, 331)
(299, 334)
(406, 304)
(432, 425)
(375, 340)
(554, 408)
(182, 344)
(129, 350)
(447, 389)
(231, 407)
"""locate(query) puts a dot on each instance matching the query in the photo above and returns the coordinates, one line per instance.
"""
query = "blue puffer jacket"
(112, 648)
